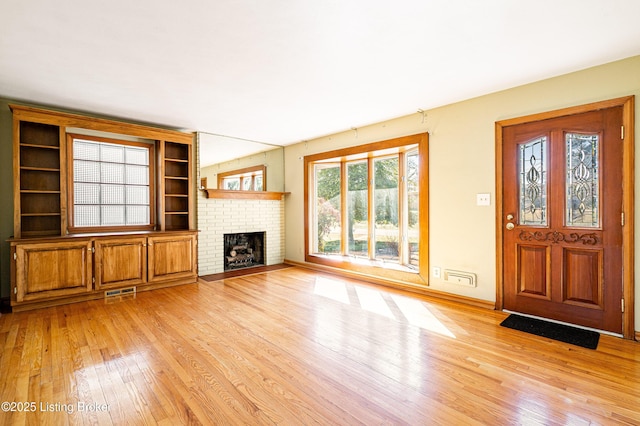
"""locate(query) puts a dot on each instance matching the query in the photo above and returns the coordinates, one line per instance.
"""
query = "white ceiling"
(279, 71)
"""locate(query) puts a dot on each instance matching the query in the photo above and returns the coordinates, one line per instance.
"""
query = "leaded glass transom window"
(111, 184)
(532, 159)
(582, 184)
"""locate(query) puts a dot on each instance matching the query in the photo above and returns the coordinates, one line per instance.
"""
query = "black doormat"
(564, 333)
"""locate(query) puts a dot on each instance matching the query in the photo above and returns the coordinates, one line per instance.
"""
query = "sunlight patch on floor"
(419, 315)
(371, 300)
(331, 289)
(414, 311)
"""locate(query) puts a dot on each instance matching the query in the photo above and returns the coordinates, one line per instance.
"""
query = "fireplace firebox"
(243, 250)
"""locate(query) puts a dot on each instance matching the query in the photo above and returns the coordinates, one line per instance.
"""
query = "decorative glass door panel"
(583, 180)
(533, 182)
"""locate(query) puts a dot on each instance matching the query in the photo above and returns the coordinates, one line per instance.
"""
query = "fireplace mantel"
(244, 195)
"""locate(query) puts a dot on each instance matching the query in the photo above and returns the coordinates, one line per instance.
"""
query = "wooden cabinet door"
(120, 262)
(47, 270)
(172, 257)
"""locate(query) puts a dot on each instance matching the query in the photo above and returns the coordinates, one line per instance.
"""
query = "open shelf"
(177, 181)
(39, 202)
(39, 214)
(39, 180)
(175, 160)
(39, 225)
(176, 186)
(30, 145)
(39, 158)
(38, 134)
(176, 151)
(176, 221)
(178, 204)
(176, 169)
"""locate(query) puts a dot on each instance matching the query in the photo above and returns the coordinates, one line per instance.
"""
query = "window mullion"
(344, 213)
(403, 252)
(124, 186)
(371, 217)
(100, 185)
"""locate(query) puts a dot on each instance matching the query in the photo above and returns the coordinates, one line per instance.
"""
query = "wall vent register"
(460, 277)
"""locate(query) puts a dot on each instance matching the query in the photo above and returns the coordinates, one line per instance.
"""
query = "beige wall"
(6, 194)
(462, 164)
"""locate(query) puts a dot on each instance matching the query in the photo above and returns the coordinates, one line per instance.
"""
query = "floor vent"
(120, 292)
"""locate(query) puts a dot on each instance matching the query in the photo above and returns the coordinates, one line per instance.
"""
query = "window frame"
(72, 229)
(251, 172)
(400, 146)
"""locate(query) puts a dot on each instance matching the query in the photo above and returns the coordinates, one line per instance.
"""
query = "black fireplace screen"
(243, 250)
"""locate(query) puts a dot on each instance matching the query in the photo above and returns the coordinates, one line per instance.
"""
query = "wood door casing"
(553, 270)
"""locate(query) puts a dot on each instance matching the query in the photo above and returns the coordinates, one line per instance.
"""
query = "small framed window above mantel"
(247, 179)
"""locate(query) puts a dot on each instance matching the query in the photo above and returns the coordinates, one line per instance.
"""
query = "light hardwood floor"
(296, 347)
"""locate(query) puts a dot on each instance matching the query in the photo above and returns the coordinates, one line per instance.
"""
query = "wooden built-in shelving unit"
(53, 265)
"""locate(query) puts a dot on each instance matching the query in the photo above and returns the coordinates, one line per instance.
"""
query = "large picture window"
(111, 184)
(365, 206)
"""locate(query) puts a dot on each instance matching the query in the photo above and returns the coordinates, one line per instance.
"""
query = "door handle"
(510, 226)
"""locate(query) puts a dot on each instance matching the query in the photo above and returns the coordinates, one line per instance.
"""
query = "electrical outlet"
(436, 272)
(483, 199)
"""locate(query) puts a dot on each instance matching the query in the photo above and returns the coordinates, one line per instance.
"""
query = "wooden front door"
(562, 218)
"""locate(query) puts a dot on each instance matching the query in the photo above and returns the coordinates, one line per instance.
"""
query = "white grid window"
(110, 184)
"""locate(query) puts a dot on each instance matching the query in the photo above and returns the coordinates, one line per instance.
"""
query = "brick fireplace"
(217, 217)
